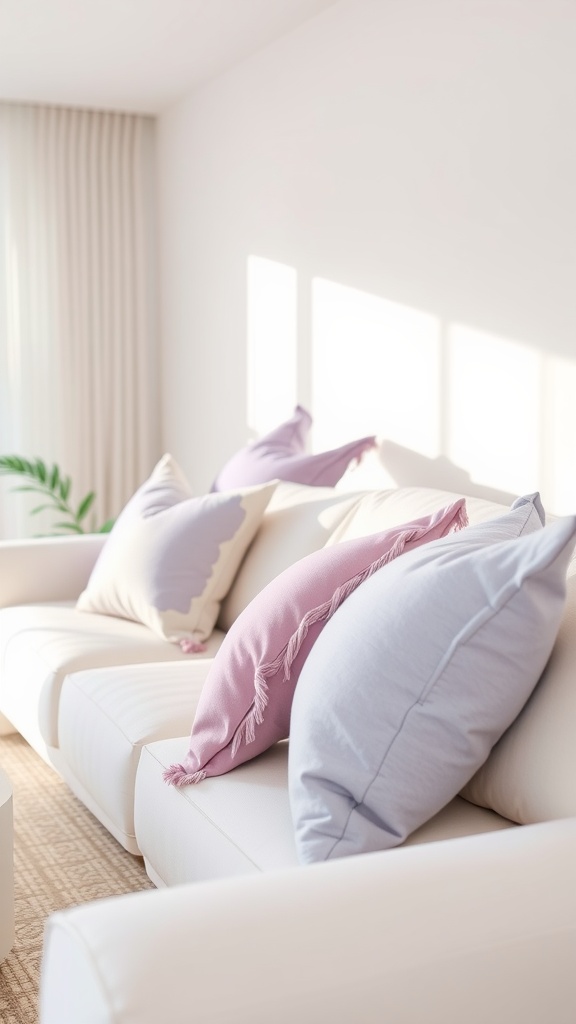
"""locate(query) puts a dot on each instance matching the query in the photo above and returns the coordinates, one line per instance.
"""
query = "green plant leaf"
(40, 508)
(38, 488)
(107, 526)
(54, 477)
(40, 470)
(85, 506)
(11, 464)
(65, 486)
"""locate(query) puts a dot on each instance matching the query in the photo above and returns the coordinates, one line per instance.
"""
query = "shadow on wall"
(410, 469)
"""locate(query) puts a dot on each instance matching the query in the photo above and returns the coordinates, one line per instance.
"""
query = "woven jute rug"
(62, 856)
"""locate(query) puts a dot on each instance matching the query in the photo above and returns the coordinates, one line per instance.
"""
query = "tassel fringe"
(176, 775)
(191, 646)
(255, 716)
(461, 520)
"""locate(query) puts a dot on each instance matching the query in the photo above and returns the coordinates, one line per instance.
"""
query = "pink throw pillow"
(246, 700)
(281, 455)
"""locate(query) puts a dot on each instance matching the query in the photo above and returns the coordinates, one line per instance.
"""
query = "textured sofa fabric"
(241, 822)
(470, 916)
(477, 929)
(119, 711)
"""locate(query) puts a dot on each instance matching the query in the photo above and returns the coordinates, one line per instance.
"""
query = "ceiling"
(132, 55)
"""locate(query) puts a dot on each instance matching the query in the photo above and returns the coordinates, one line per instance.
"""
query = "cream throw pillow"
(171, 558)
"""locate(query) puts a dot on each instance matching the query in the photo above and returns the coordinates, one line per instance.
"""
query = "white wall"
(385, 200)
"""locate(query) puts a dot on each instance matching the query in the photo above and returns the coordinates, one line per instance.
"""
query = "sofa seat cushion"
(40, 644)
(240, 823)
(233, 824)
(106, 716)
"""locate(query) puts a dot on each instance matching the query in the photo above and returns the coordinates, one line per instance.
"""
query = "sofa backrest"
(301, 519)
(298, 520)
(529, 775)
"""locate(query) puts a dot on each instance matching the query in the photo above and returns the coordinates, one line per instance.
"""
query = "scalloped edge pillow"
(245, 702)
(171, 558)
(415, 679)
(281, 455)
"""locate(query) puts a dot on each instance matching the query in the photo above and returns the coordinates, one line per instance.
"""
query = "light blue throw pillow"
(417, 675)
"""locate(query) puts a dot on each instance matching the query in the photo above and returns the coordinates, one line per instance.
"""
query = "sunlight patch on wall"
(272, 343)
(375, 369)
(462, 406)
(494, 406)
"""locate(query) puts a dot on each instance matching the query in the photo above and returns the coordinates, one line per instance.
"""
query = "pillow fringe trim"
(176, 775)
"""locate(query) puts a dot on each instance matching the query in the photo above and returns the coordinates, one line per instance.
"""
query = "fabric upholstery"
(42, 644)
(115, 711)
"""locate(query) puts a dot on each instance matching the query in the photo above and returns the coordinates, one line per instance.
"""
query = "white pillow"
(171, 558)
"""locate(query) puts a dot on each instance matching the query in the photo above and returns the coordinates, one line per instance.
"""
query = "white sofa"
(472, 918)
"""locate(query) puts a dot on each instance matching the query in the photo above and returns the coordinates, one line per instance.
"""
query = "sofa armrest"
(47, 568)
(472, 929)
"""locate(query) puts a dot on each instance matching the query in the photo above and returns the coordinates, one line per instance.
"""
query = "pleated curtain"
(79, 381)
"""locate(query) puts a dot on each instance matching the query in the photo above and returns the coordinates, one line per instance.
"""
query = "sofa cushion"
(377, 510)
(106, 716)
(281, 455)
(171, 558)
(530, 773)
(245, 704)
(416, 677)
(240, 823)
(41, 643)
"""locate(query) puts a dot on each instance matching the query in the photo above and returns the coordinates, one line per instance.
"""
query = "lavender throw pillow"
(246, 700)
(417, 676)
(171, 558)
(281, 455)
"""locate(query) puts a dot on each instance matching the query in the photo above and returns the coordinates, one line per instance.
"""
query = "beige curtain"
(78, 322)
